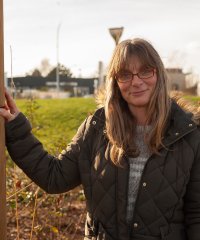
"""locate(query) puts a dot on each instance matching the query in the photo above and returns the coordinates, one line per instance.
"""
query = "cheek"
(123, 90)
(123, 87)
(152, 82)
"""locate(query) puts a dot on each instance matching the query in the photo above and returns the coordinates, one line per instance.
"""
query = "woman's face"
(137, 89)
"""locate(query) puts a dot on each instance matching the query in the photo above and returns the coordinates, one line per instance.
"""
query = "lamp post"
(57, 68)
(2, 135)
(116, 33)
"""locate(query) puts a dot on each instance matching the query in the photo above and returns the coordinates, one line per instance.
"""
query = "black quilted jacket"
(168, 202)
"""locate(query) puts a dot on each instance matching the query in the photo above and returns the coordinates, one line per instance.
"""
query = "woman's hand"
(10, 110)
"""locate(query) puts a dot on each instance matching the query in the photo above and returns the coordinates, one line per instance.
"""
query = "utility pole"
(101, 76)
(58, 64)
(2, 136)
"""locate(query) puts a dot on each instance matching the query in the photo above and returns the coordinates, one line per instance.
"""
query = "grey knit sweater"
(136, 168)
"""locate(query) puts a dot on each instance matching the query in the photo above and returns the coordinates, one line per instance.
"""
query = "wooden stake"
(2, 136)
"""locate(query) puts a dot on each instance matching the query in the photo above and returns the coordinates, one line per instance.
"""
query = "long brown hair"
(120, 124)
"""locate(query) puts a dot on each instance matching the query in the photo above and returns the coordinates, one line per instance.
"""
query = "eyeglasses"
(126, 76)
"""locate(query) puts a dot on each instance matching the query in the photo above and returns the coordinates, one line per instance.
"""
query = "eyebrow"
(143, 68)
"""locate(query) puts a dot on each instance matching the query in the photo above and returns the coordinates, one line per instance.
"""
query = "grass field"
(55, 121)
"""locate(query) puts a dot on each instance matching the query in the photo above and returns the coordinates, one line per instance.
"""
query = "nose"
(136, 81)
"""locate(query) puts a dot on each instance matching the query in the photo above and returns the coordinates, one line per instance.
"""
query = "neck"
(140, 114)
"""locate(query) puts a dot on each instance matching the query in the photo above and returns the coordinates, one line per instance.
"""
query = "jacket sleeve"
(192, 200)
(54, 175)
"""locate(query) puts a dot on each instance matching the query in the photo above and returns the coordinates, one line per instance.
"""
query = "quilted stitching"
(170, 193)
(152, 210)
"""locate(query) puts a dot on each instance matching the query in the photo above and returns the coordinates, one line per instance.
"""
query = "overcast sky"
(173, 27)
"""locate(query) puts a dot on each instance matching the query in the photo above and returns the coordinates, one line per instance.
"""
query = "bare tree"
(45, 67)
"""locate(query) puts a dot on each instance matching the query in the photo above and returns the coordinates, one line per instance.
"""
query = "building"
(177, 79)
(74, 86)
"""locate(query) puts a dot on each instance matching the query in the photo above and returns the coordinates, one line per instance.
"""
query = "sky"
(30, 32)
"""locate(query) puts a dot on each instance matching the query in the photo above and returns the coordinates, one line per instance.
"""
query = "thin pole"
(2, 136)
(57, 68)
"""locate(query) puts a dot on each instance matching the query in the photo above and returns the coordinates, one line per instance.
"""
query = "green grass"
(195, 99)
(55, 121)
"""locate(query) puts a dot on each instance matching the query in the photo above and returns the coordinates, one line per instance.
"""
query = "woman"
(138, 157)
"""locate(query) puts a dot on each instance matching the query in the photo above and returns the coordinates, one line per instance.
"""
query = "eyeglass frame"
(153, 70)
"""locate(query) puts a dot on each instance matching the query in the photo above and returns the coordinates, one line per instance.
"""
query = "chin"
(138, 101)
(138, 104)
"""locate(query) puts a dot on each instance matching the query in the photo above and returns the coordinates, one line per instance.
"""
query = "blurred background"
(74, 37)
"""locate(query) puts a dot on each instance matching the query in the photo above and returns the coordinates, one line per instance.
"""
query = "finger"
(11, 103)
(6, 114)
(6, 106)
(9, 98)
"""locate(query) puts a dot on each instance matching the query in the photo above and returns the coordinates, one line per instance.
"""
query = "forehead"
(134, 58)
(134, 63)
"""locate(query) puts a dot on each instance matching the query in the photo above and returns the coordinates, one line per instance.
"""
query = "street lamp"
(116, 33)
(57, 68)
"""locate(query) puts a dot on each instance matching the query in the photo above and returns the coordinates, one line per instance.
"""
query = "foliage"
(36, 73)
(194, 99)
(63, 71)
(47, 70)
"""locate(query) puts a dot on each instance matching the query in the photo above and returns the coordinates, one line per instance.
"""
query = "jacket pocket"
(176, 232)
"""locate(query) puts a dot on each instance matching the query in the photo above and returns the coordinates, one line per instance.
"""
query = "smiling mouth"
(137, 93)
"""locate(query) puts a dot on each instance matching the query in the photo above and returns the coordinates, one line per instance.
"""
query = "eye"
(126, 74)
(147, 73)
(124, 77)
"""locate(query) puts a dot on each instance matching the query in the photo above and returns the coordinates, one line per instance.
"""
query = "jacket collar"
(179, 124)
